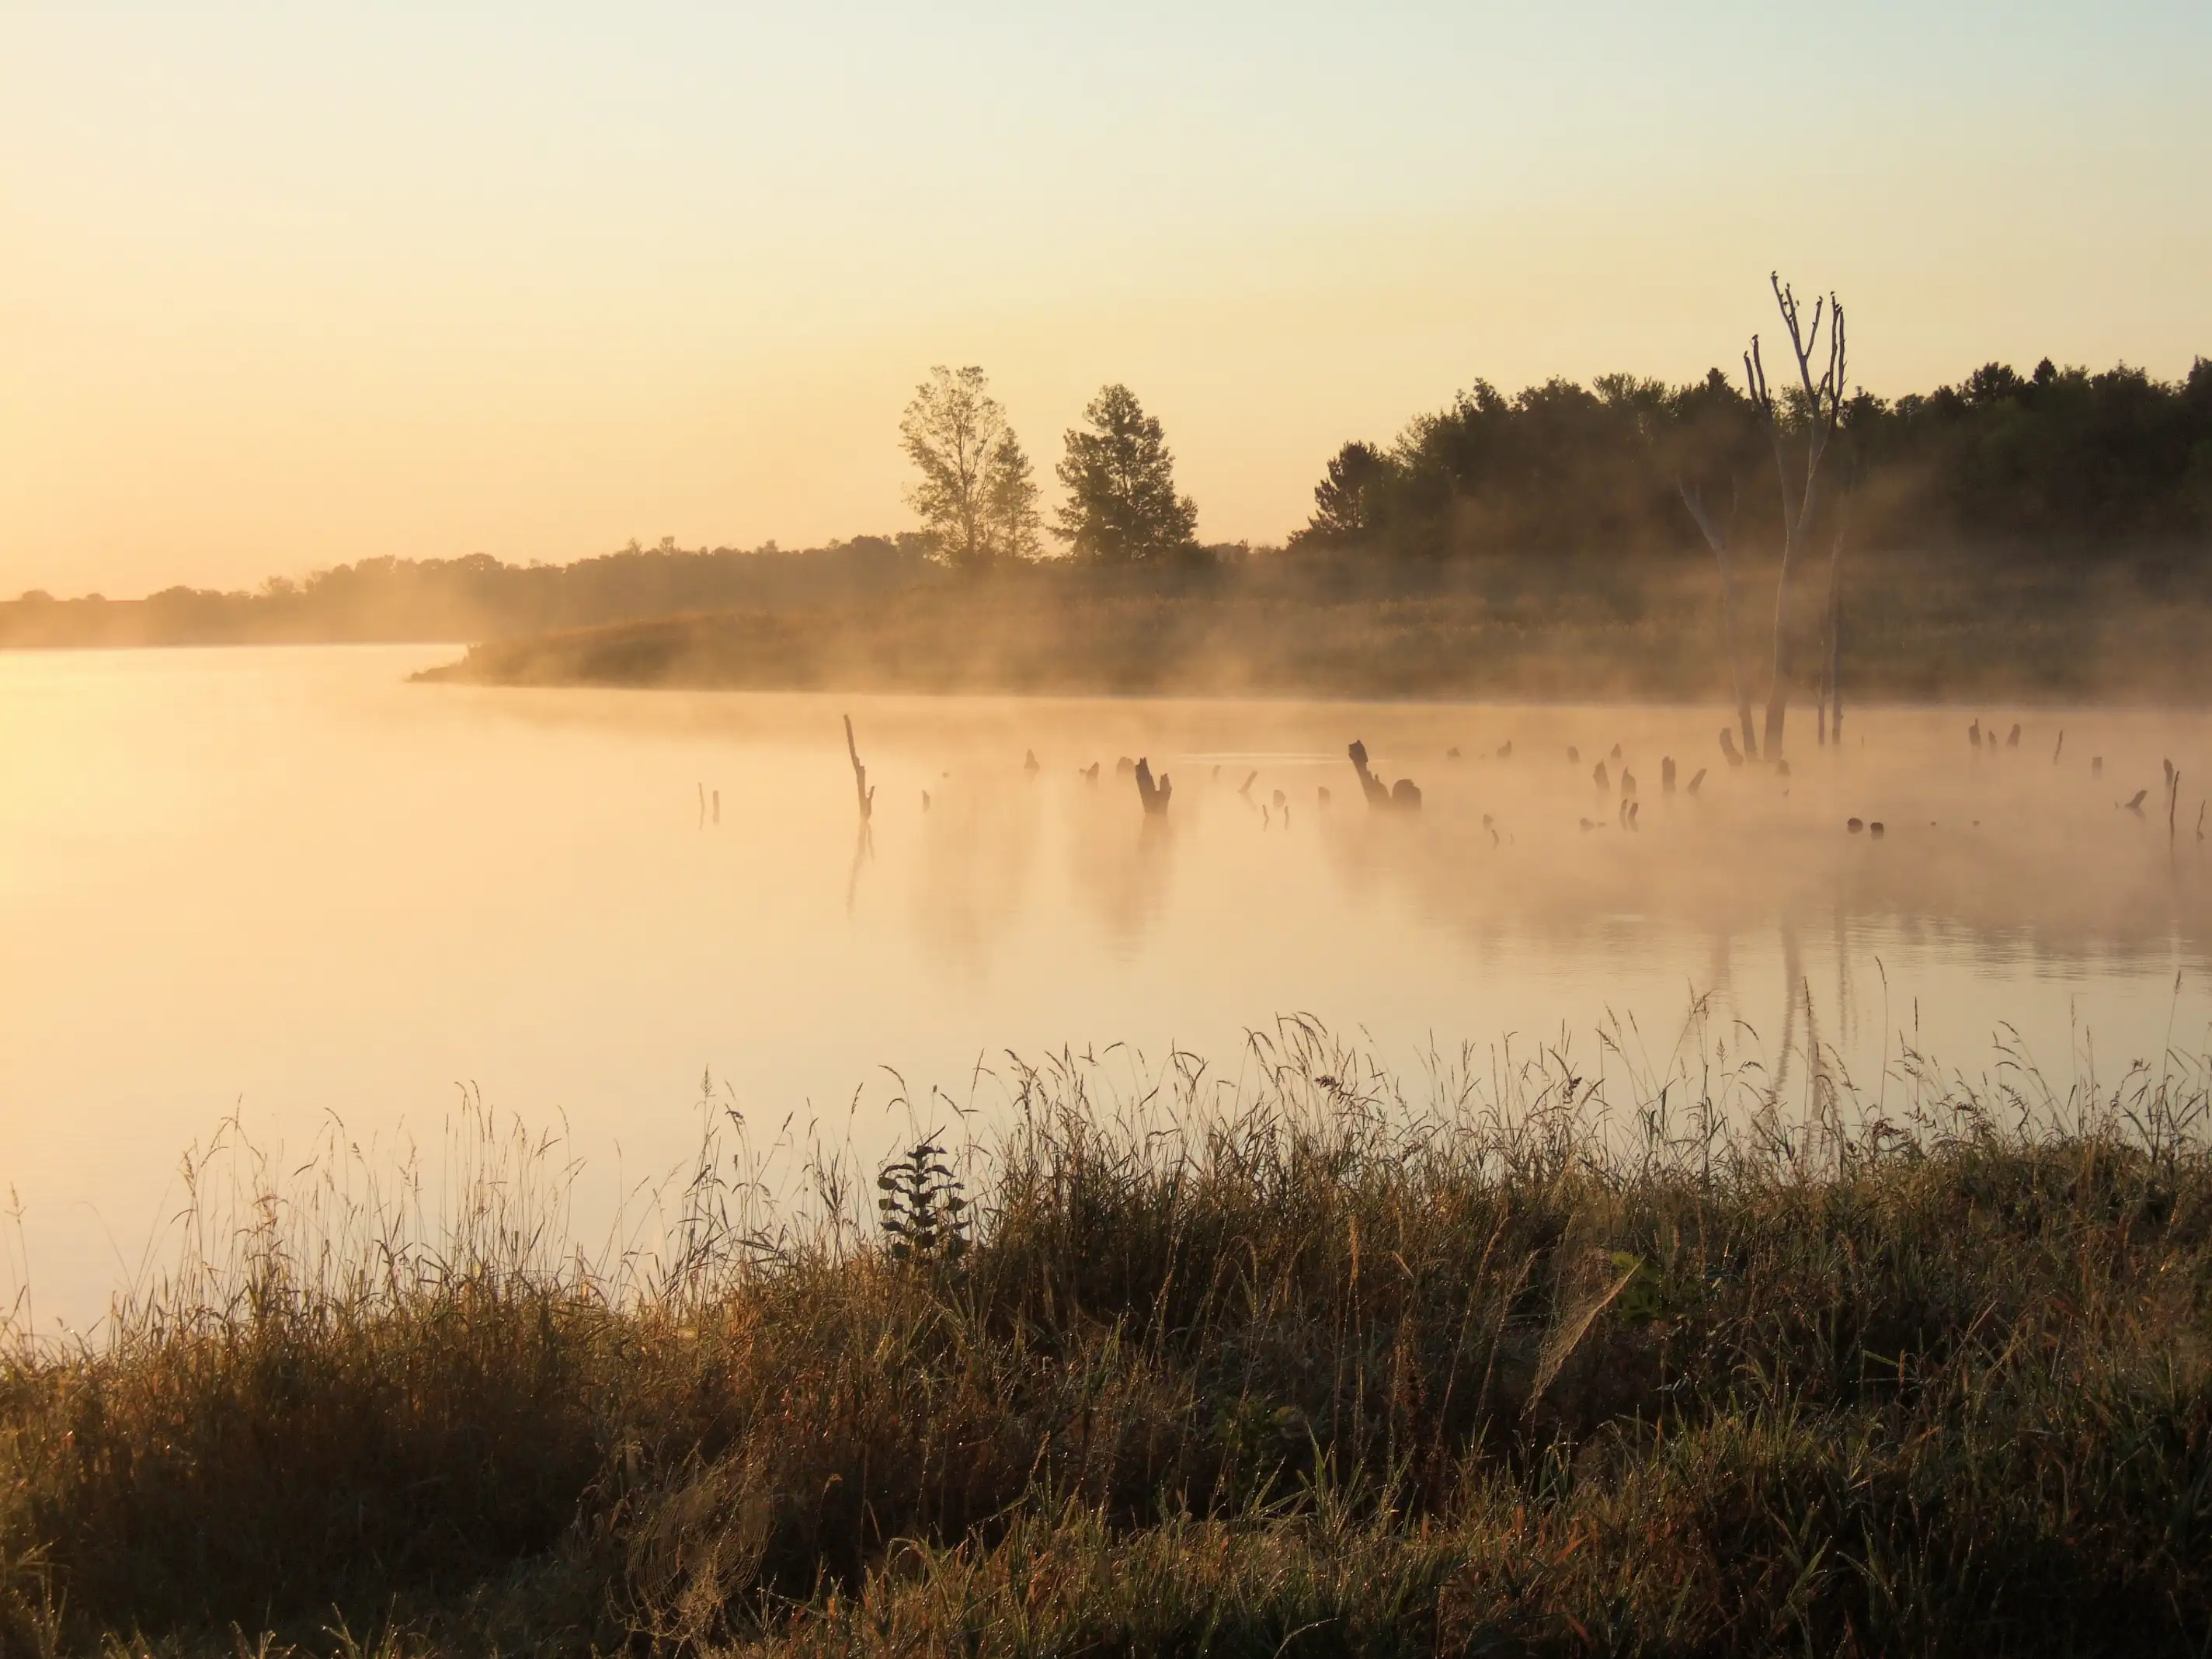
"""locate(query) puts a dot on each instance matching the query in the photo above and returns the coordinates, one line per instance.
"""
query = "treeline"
(2060, 462)
(477, 596)
(2058, 468)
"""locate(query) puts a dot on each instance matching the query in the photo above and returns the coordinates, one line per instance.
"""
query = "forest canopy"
(2059, 461)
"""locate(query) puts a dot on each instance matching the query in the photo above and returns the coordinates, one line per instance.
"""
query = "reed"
(1550, 1354)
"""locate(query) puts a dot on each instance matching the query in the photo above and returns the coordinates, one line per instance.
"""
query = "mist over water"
(285, 884)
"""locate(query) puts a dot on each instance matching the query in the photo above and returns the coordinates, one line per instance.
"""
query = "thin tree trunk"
(1793, 528)
(1735, 655)
(1716, 538)
(1834, 690)
(1823, 410)
(861, 786)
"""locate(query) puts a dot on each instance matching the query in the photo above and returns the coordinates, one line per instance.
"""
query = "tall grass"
(1546, 1355)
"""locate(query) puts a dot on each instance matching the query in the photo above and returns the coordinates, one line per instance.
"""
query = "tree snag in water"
(1822, 411)
(1404, 797)
(1154, 796)
(1377, 793)
(867, 796)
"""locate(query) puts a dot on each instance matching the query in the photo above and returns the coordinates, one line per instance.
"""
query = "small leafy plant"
(924, 1206)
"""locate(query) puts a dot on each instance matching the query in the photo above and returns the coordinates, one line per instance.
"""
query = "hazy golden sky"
(282, 286)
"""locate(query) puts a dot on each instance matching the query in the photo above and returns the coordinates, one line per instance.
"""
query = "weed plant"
(1624, 1356)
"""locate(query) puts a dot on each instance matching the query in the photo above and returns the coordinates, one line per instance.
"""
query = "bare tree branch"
(1823, 408)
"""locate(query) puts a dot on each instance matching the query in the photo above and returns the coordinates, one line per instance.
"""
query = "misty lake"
(288, 886)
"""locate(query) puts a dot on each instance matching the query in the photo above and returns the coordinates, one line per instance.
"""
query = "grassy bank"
(1314, 1371)
(1914, 628)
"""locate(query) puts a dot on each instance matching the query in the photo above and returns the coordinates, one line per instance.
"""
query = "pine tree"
(1010, 509)
(1346, 500)
(1122, 506)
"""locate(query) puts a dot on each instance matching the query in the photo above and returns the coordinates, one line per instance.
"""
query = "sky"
(283, 286)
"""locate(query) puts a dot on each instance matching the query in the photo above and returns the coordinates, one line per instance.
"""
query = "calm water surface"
(288, 886)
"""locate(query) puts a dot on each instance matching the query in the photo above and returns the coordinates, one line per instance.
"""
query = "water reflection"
(976, 846)
(864, 848)
(1120, 871)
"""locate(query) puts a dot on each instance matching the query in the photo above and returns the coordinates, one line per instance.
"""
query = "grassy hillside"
(1317, 1372)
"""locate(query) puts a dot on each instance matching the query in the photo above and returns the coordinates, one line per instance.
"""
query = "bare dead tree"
(867, 796)
(1823, 410)
(1716, 537)
(1832, 684)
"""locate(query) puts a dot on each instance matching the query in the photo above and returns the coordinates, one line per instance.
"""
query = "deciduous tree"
(975, 495)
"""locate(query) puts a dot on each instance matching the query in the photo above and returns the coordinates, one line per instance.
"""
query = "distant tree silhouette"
(1009, 498)
(1122, 508)
(975, 495)
(1342, 508)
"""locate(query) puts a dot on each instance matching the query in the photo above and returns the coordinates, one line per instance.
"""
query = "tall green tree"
(976, 496)
(1010, 503)
(1121, 504)
(1347, 501)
